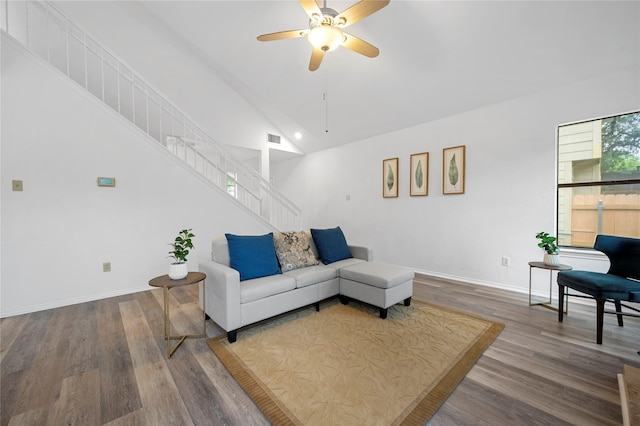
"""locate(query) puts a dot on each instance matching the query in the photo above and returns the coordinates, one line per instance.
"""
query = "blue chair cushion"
(599, 285)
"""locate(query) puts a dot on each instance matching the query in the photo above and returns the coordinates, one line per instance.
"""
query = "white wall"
(510, 184)
(57, 232)
(187, 78)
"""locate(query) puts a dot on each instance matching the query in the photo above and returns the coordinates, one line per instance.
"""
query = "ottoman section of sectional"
(378, 284)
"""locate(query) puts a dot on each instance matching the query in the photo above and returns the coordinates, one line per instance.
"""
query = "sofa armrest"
(222, 294)
(360, 252)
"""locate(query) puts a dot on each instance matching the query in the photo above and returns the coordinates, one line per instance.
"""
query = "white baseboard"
(506, 287)
(104, 295)
(473, 281)
(72, 301)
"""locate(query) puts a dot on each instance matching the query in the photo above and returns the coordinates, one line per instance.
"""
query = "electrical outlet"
(16, 185)
(506, 261)
(106, 267)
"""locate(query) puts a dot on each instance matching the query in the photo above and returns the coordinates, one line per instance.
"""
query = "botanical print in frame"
(453, 170)
(390, 177)
(419, 175)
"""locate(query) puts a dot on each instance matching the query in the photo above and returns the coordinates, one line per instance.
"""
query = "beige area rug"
(345, 366)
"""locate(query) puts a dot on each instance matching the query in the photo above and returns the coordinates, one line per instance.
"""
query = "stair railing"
(48, 33)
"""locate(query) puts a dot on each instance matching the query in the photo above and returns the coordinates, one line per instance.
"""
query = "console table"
(167, 283)
(550, 268)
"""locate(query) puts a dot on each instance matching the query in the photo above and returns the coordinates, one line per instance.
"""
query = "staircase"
(49, 34)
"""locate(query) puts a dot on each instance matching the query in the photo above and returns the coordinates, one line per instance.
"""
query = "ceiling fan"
(325, 29)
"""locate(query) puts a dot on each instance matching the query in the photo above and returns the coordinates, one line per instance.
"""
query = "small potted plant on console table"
(181, 245)
(548, 244)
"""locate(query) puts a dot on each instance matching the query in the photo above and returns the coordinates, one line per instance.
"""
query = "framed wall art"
(453, 170)
(390, 177)
(419, 175)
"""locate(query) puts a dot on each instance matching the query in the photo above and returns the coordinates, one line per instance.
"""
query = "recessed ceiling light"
(297, 135)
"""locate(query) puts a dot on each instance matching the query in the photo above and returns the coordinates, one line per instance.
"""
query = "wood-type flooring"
(104, 362)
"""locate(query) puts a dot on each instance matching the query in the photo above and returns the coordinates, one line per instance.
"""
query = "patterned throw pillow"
(294, 250)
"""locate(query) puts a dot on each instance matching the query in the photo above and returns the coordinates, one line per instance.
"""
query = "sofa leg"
(619, 309)
(599, 319)
(383, 313)
(317, 306)
(560, 302)
(407, 301)
(344, 300)
(232, 335)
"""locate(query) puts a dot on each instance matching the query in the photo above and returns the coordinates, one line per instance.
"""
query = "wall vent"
(273, 138)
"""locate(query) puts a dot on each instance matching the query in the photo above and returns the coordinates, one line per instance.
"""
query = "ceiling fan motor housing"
(327, 17)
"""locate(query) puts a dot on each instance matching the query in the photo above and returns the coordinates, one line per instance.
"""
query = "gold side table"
(550, 268)
(167, 283)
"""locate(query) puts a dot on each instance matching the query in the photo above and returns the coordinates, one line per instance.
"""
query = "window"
(232, 184)
(599, 179)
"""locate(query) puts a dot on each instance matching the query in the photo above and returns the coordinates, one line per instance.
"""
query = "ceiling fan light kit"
(325, 37)
(325, 29)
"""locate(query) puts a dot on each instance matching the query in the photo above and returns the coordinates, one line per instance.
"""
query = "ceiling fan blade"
(316, 59)
(311, 7)
(281, 35)
(359, 11)
(360, 46)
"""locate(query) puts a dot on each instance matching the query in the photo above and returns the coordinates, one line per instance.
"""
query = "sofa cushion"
(331, 244)
(345, 262)
(253, 256)
(377, 274)
(312, 275)
(259, 288)
(293, 250)
(220, 251)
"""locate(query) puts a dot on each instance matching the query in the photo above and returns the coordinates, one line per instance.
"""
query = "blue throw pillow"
(254, 256)
(331, 244)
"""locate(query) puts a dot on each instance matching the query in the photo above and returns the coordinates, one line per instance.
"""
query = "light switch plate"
(16, 185)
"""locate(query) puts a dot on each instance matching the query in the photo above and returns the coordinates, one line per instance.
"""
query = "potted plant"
(548, 244)
(181, 246)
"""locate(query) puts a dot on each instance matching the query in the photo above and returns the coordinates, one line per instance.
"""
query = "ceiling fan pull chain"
(326, 101)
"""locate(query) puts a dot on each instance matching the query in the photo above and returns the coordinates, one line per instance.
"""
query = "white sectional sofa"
(234, 298)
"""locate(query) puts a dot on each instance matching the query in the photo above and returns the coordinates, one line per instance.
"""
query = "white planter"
(178, 271)
(551, 259)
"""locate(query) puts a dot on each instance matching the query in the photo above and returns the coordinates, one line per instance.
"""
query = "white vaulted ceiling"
(437, 58)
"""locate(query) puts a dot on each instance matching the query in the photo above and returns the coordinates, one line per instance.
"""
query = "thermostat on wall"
(106, 181)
